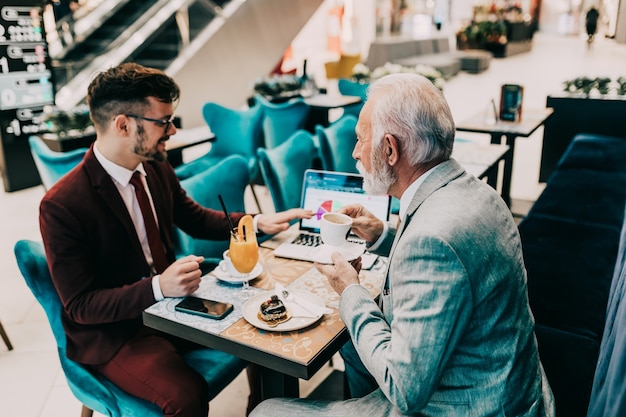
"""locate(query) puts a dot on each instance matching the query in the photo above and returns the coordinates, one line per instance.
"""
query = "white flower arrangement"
(361, 73)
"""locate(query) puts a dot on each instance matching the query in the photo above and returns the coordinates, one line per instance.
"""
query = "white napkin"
(298, 305)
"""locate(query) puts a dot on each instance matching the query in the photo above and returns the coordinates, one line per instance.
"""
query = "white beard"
(380, 180)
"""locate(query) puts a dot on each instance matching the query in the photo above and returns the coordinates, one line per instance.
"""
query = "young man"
(452, 334)
(109, 244)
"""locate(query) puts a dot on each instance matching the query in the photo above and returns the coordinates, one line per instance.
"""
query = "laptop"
(325, 191)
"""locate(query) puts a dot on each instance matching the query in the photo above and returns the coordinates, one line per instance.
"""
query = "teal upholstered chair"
(337, 143)
(227, 178)
(351, 88)
(53, 165)
(283, 168)
(93, 391)
(237, 132)
(281, 120)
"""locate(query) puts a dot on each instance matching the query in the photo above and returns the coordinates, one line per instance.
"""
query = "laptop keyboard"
(308, 240)
(315, 240)
(303, 247)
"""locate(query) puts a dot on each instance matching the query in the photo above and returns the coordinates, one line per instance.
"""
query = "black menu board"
(25, 87)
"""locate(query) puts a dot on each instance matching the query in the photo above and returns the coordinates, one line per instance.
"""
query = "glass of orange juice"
(244, 254)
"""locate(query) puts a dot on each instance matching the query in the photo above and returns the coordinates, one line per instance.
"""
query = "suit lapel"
(104, 186)
(441, 175)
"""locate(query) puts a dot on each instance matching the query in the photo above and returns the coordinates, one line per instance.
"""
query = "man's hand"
(341, 273)
(271, 224)
(182, 277)
(364, 224)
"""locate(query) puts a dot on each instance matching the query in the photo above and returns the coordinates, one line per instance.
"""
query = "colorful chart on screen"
(326, 207)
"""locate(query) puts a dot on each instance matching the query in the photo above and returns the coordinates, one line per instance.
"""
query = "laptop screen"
(325, 191)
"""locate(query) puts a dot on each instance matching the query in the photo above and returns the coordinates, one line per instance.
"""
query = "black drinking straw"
(230, 223)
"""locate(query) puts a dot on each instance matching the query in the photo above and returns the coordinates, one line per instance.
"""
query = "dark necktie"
(159, 258)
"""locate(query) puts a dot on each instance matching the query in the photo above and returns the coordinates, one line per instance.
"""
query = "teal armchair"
(283, 168)
(237, 132)
(95, 392)
(53, 165)
(351, 88)
(337, 143)
(281, 120)
(227, 178)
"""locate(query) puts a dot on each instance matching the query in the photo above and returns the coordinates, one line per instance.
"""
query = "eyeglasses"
(165, 123)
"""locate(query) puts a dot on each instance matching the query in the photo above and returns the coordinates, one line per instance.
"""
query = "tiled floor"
(31, 381)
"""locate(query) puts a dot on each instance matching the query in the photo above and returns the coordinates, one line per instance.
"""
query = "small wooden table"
(482, 161)
(283, 356)
(531, 120)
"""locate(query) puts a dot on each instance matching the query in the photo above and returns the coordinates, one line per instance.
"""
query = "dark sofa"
(570, 239)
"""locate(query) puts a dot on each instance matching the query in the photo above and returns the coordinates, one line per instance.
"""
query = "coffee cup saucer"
(226, 277)
(349, 250)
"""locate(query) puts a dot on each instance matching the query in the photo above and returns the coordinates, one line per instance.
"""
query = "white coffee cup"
(226, 265)
(334, 228)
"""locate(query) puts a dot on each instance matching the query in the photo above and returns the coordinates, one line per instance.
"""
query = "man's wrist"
(156, 288)
(350, 285)
(255, 223)
(375, 244)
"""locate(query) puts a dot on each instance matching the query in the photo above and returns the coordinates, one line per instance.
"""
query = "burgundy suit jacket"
(95, 258)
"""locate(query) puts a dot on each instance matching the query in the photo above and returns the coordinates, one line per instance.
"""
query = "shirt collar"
(119, 174)
(409, 193)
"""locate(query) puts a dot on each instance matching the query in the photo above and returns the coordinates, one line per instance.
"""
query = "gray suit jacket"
(455, 334)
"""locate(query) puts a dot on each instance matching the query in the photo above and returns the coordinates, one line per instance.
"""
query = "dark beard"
(142, 150)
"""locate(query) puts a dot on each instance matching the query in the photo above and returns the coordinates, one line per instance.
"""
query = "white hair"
(414, 111)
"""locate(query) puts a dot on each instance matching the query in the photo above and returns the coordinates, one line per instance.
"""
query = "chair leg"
(5, 337)
(86, 412)
(256, 199)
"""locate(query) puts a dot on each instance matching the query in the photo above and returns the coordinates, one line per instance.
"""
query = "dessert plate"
(350, 251)
(252, 307)
(224, 276)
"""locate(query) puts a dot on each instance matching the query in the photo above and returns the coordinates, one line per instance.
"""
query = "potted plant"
(479, 35)
(363, 75)
(68, 129)
(73, 122)
(278, 88)
(587, 86)
(586, 105)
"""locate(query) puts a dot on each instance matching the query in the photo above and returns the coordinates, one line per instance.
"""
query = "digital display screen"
(25, 79)
(326, 191)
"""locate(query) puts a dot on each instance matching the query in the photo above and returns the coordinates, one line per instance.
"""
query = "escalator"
(129, 30)
(239, 38)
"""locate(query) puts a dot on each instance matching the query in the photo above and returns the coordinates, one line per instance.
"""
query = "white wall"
(311, 42)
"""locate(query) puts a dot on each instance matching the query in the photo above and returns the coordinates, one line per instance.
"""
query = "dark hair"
(125, 88)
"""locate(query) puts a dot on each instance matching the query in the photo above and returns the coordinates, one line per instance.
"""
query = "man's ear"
(392, 149)
(121, 125)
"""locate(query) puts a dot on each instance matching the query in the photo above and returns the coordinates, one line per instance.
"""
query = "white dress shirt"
(121, 178)
(405, 200)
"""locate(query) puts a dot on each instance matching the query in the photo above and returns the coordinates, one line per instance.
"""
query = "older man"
(452, 334)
